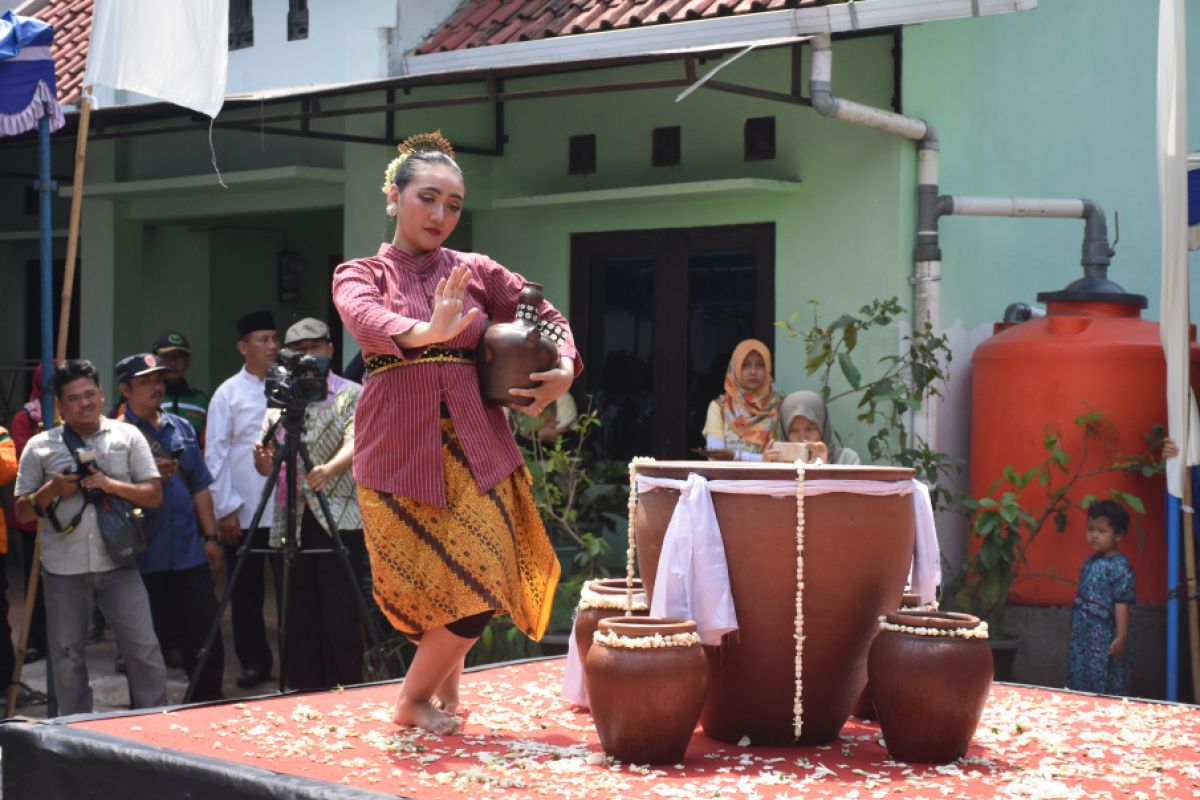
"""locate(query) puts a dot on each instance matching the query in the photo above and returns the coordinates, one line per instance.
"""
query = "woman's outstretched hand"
(448, 319)
(552, 384)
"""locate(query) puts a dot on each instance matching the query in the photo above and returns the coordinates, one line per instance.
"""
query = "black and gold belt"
(430, 355)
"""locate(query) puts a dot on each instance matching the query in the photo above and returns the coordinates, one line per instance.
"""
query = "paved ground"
(109, 686)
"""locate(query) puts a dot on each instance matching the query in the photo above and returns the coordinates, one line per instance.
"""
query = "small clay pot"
(864, 707)
(646, 701)
(510, 351)
(929, 690)
(608, 599)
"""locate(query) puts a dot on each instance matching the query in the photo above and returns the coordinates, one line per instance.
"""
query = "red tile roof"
(72, 21)
(477, 23)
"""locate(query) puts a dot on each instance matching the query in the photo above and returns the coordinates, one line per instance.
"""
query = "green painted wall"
(843, 236)
(1056, 102)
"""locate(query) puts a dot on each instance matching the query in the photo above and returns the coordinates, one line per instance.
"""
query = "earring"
(391, 209)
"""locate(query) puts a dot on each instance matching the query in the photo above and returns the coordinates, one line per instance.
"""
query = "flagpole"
(1189, 566)
(64, 310)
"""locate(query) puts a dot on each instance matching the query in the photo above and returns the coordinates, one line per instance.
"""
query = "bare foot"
(423, 715)
(446, 698)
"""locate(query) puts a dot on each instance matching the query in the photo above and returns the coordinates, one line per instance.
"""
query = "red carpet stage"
(521, 740)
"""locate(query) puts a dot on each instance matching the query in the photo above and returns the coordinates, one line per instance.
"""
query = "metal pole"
(45, 187)
(1172, 597)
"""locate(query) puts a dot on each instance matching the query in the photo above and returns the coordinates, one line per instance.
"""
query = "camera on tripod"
(296, 379)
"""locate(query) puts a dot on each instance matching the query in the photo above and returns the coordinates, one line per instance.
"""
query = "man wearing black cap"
(235, 418)
(182, 400)
(181, 534)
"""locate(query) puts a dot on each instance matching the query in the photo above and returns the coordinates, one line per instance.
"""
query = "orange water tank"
(1092, 351)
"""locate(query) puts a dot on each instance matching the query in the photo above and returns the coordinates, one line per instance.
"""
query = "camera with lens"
(85, 464)
(296, 379)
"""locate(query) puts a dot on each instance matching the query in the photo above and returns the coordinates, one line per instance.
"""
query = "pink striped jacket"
(397, 440)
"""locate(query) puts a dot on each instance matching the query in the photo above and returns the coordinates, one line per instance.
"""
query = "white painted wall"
(346, 42)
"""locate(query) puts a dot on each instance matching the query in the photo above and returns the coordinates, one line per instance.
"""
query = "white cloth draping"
(692, 581)
(171, 50)
(926, 570)
(1183, 423)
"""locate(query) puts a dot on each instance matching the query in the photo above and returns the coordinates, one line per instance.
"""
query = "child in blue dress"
(1100, 657)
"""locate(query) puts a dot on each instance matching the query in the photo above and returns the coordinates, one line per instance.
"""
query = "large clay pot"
(930, 683)
(510, 351)
(864, 707)
(645, 700)
(856, 558)
(607, 597)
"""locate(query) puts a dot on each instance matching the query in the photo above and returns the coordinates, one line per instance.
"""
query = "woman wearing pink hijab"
(745, 418)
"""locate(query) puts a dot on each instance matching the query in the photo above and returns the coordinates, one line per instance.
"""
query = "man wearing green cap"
(181, 399)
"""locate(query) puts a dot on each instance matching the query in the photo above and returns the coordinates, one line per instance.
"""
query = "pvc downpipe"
(927, 266)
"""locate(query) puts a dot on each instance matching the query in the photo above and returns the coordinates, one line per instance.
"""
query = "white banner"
(1182, 423)
(172, 50)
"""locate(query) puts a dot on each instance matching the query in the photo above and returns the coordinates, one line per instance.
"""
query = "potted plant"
(1006, 522)
(884, 402)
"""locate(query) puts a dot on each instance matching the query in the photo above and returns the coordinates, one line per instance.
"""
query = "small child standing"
(1100, 658)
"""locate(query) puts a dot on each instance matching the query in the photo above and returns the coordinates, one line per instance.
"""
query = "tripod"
(292, 420)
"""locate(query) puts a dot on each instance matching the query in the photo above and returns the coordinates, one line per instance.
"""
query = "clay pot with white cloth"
(859, 529)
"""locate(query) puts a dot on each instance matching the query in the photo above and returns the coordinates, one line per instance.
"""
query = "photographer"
(181, 534)
(60, 488)
(325, 643)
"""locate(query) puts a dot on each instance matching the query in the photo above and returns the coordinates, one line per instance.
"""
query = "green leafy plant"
(577, 495)
(905, 381)
(1006, 522)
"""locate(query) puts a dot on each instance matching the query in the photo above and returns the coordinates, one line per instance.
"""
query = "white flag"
(1172, 192)
(172, 50)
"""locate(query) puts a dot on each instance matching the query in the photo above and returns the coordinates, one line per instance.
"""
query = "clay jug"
(510, 351)
(646, 679)
(930, 672)
(864, 707)
(603, 598)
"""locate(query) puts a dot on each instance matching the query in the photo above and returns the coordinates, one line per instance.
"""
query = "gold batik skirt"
(434, 565)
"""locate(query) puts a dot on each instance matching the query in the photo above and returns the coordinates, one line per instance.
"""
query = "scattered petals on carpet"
(522, 740)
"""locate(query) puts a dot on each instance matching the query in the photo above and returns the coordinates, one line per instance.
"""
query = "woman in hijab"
(806, 419)
(745, 418)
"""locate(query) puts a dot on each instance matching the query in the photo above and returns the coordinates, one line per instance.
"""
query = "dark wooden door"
(656, 315)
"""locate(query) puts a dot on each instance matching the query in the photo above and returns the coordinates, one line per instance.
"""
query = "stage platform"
(522, 740)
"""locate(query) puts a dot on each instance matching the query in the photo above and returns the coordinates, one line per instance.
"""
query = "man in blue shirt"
(181, 537)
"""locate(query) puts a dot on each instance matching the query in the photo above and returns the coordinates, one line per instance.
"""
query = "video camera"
(296, 379)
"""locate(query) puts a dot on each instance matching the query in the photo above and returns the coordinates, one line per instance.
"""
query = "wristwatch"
(210, 537)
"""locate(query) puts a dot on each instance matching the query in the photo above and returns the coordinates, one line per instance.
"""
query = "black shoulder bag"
(119, 520)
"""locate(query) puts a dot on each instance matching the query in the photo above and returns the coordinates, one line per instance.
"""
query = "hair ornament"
(417, 143)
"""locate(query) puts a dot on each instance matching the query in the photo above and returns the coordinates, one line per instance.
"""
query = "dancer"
(450, 523)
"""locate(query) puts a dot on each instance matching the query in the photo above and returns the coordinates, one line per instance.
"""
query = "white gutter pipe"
(927, 267)
(720, 32)
(927, 255)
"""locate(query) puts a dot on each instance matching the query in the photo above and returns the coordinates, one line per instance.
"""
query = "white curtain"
(1183, 424)
(172, 50)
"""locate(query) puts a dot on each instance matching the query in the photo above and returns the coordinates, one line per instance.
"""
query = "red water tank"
(1092, 351)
